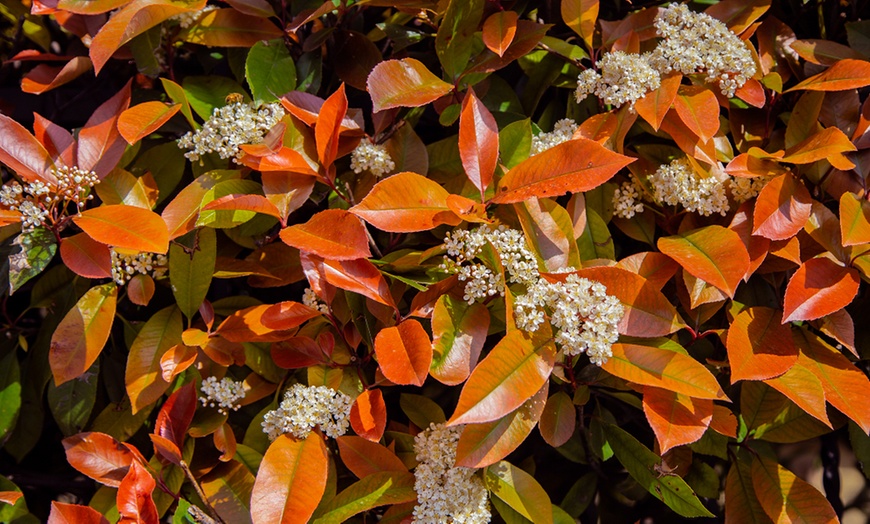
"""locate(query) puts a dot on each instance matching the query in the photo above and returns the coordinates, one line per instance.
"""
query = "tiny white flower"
(562, 132)
(224, 394)
(624, 78)
(125, 266)
(307, 407)
(371, 157)
(677, 183)
(230, 127)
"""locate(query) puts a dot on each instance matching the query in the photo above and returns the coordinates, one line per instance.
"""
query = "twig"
(215, 518)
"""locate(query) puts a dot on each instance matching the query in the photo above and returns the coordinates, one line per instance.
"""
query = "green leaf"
(191, 269)
(453, 42)
(378, 489)
(421, 410)
(207, 93)
(225, 219)
(35, 250)
(145, 51)
(640, 463)
(595, 241)
(270, 70)
(515, 142)
(10, 393)
(520, 491)
(71, 403)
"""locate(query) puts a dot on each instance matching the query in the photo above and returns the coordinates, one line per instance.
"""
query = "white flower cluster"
(585, 316)
(624, 78)
(187, 19)
(582, 312)
(481, 282)
(36, 200)
(124, 266)
(225, 394)
(231, 126)
(627, 199)
(697, 42)
(305, 407)
(445, 493)
(677, 183)
(742, 189)
(310, 299)
(562, 132)
(371, 157)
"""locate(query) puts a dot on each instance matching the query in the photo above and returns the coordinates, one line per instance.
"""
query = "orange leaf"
(558, 419)
(828, 142)
(100, 457)
(363, 457)
(663, 368)
(62, 513)
(404, 83)
(11, 497)
(368, 415)
(748, 166)
(818, 288)
(127, 227)
(100, 145)
(843, 75)
(230, 28)
(752, 92)
(176, 414)
(787, 498)
(405, 203)
(359, 276)
(803, 388)
(459, 332)
(499, 31)
(86, 257)
(81, 335)
(255, 203)
(44, 77)
(144, 374)
(738, 15)
(756, 246)
(287, 191)
(141, 120)
(580, 16)
(89, 7)
(181, 214)
(291, 480)
(514, 370)
(483, 444)
(140, 289)
(824, 52)
(724, 422)
(713, 254)
(782, 208)
(22, 153)
(246, 325)
(676, 419)
(328, 126)
(698, 108)
(478, 141)
(287, 315)
(260, 158)
(854, 220)
(759, 346)
(575, 166)
(655, 105)
(297, 353)
(656, 268)
(404, 353)
(135, 504)
(332, 234)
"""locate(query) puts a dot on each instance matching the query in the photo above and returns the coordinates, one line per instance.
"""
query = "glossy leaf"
(81, 335)
(177, 412)
(144, 374)
(141, 120)
(404, 353)
(127, 227)
(44, 77)
(713, 254)
(368, 415)
(404, 83)
(359, 276)
(741, 503)
(698, 108)
(459, 332)
(845, 74)
(478, 142)
(787, 498)
(291, 480)
(228, 489)
(135, 503)
(511, 373)
(676, 419)
(803, 388)
(575, 166)
(655, 105)
(854, 219)
(100, 457)
(22, 153)
(270, 70)
(332, 234)
(558, 419)
(818, 288)
(404, 203)
(759, 346)
(378, 489)
(827, 143)
(364, 457)
(499, 31)
(328, 126)
(33, 252)
(62, 513)
(580, 16)
(519, 490)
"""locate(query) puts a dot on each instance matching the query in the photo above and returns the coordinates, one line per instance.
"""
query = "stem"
(192, 479)
(830, 472)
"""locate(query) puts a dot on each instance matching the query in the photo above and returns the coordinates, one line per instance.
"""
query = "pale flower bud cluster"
(187, 19)
(519, 263)
(585, 316)
(224, 394)
(562, 132)
(371, 157)
(698, 43)
(624, 78)
(306, 407)
(125, 266)
(310, 299)
(743, 189)
(627, 199)
(446, 493)
(231, 126)
(36, 200)
(677, 183)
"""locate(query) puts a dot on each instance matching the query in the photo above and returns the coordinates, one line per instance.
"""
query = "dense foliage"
(432, 260)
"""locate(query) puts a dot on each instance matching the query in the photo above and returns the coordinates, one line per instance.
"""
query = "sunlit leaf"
(713, 254)
(478, 142)
(368, 415)
(141, 120)
(100, 457)
(676, 419)
(499, 30)
(818, 288)
(404, 353)
(844, 74)
(759, 346)
(404, 83)
(787, 498)
(519, 490)
(144, 375)
(127, 227)
(332, 234)
(406, 202)
(81, 335)
(459, 332)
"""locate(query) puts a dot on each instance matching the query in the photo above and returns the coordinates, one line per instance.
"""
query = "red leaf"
(22, 153)
(499, 31)
(843, 75)
(478, 142)
(10, 497)
(675, 418)
(44, 77)
(291, 480)
(364, 458)
(178, 358)
(713, 254)
(297, 353)
(100, 145)
(100, 457)
(404, 353)
(406, 203)
(134, 497)
(127, 227)
(140, 289)
(558, 419)
(698, 108)
(575, 166)
(818, 288)
(62, 513)
(287, 315)
(333, 234)
(176, 414)
(141, 120)
(752, 92)
(328, 126)
(260, 158)
(404, 83)
(656, 268)
(81, 335)
(759, 346)
(59, 142)
(165, 450)
(359, 276)
(368, 415)
(86, 257)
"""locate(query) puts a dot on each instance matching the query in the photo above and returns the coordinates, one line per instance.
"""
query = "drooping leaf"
(759, 346)
(127, 227)
(404, 83)
(135, 503)
(803, 388)
(62, 513)
(332, 234)
(404, 203)
(698, 108)
(44, 77)
(291, 480)
(191, 270)
(81, 335)
(818, 288)
(100, 457)
(676, 419)
(22, 153)
(478, 142)
(359, 276)
(558, 419)
(144, 375)
(655, 105)
(141, 120)
(713, 254)
(787, 498)
(844, 74)
(519, 490)
(404, 353)
(378, 489)
(580, 16)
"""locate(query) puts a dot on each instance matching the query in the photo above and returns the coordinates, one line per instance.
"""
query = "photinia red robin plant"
(434, 261)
